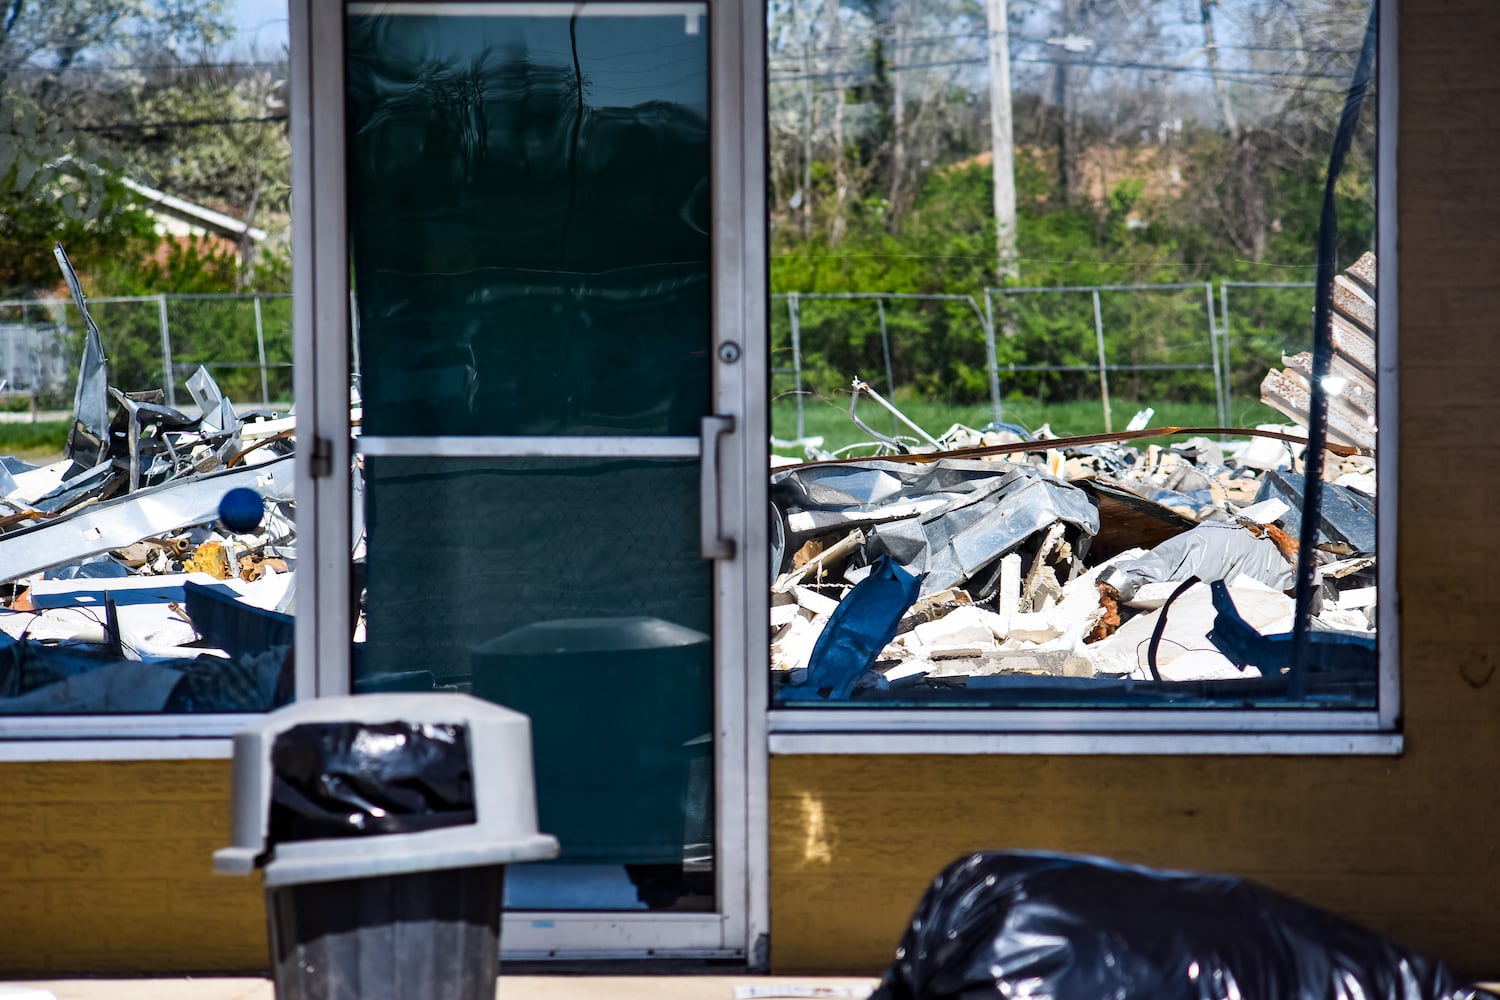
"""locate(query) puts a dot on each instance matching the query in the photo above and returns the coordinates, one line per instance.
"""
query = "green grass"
(32, 442)
(829, 418)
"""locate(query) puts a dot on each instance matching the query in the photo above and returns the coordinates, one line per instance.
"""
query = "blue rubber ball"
(241, 510)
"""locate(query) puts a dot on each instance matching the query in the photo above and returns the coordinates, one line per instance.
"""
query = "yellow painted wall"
(107, 867)
(1407, 845)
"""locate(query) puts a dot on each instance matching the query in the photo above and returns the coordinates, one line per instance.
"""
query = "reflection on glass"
(571, 590)
(124, 587)
(1134, 245)
(529, 217)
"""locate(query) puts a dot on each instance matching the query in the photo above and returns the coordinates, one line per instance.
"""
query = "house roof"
(193, 214)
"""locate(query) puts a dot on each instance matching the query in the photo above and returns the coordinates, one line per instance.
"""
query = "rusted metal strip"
(1083, 441)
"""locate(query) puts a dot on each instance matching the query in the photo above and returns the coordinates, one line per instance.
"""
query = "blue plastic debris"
(859, 628)
(1330, 651)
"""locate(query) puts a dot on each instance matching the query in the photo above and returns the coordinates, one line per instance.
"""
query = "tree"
(52, 189)
(60, 59)
(238, 159)
(46, 39)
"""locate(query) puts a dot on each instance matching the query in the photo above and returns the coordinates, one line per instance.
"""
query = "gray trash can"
(384, 823)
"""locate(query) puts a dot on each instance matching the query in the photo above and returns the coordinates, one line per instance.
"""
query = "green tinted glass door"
(528, 202)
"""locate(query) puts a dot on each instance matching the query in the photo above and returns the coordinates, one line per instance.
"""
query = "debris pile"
(121, 590)
(1351, 400)
(1002, 567)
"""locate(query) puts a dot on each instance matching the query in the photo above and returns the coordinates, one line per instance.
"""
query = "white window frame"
(850, 730)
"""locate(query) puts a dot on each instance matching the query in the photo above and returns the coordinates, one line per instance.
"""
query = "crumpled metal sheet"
(948, 519)
(88, 439)
(952, 545)
(144, 514)
(98, 481)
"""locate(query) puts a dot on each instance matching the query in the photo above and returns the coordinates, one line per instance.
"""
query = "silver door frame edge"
(320, 302)
(1388, 385)
(527, 447)
(745, 106)
(629, 934)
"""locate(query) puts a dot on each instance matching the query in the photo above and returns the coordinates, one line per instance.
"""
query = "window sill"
(804, 732)
(120, 737)
(1052, 744)
(36, 751)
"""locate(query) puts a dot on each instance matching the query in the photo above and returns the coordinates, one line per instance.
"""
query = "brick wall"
(1406, 845)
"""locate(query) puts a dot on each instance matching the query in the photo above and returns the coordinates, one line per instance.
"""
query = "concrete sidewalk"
(556, 986)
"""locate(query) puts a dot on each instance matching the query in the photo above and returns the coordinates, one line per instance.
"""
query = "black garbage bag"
(351, 779)
(1069, 928)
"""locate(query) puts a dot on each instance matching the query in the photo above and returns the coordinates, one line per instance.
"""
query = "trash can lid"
(592, 635)
(505, 821)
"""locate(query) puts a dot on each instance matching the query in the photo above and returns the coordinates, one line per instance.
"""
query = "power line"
(280, 64)
(915, 41)
(1252, 77)
(180, 123)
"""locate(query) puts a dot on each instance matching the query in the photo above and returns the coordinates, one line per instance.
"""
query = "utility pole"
(1002, 142)
(1211, 45)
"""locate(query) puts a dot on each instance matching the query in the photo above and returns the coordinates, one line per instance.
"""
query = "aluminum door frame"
(321, 330)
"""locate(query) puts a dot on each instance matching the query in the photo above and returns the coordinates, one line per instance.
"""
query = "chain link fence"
(1197, 341)
(1268, 320)
(1143, 342)
(1152, 342)
(152, 342)
(934, 346)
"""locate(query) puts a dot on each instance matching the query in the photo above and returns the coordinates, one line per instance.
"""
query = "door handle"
(712, 542)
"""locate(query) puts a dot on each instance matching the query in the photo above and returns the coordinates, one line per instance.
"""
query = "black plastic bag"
(351, 779)
(1055, 927)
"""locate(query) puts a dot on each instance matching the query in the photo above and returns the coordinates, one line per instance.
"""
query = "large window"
(147, 518)
(1013, 245)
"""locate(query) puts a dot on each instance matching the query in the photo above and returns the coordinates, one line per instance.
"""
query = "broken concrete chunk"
(1357, 597)
(1342, 619)
(1266, 453)
(965, 625)
(782, 614)
(1033, 626)
(1265, 512)
(1150, 596)
(792, 646)
(1049, 662)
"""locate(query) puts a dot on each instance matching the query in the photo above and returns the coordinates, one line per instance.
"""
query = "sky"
(261, 24)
